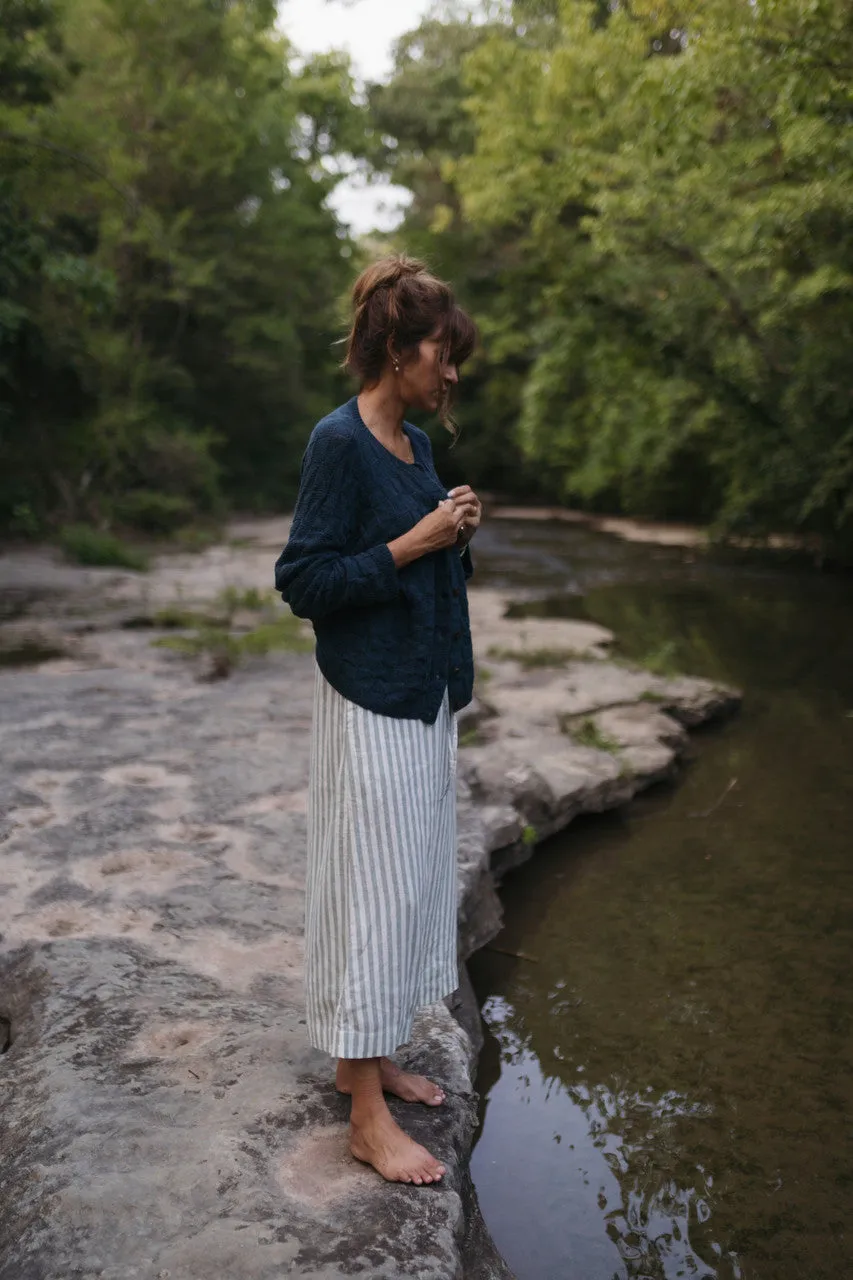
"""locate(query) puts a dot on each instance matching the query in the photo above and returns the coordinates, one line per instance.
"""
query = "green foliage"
(231, 599)
(647, 208)
(212, 635)
(218, 646)
(169, 272)
(153, 512)
(283, 633)
(588, 734)
(694, 208)
(86, 545)
(529, 836)
(197, 536)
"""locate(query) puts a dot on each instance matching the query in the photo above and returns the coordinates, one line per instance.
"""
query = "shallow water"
(668, 1086)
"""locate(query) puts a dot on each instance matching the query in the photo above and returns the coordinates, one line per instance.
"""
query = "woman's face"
(424, 376)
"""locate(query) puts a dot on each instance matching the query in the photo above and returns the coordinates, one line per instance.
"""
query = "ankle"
(368, 1110)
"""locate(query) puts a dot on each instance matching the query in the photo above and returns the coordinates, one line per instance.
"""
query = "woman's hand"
(467, 501)
(434, 532)
(441, 527)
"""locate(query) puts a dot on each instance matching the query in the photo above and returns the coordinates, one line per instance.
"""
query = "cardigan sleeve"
(314, 573)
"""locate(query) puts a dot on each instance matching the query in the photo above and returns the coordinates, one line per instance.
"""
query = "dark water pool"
(668, 1087)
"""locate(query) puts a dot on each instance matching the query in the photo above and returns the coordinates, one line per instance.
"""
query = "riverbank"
(661, 533)
(166, 1105)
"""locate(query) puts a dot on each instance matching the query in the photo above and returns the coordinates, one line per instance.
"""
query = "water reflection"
(668, 1086)
(605, 1160)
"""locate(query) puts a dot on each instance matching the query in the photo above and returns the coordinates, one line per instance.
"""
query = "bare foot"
(404, 1084)
(380, 1142)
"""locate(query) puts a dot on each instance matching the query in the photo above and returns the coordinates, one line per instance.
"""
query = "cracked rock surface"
(164, 1115)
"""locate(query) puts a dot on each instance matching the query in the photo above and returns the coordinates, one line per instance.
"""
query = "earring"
(396, 367)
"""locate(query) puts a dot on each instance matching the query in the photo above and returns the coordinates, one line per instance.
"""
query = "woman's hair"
(397, 302)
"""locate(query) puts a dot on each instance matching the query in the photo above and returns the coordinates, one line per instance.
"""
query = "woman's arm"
(313, 573)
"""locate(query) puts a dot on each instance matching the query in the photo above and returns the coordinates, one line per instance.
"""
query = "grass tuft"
(588, 734)
(86, 545)
(285, 632)
(225, 648)
(249, 599)
(197, 537)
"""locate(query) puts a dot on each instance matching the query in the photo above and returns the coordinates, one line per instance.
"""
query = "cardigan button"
(456, 591)
(455, 671)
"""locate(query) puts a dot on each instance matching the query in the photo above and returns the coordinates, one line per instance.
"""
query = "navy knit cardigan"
(388, 639)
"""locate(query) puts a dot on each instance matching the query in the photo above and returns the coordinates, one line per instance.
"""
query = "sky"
(366, 30)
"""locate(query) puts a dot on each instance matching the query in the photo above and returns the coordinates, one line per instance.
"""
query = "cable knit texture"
(390, 640)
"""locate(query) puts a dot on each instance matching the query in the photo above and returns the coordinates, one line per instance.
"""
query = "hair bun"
(385, 274)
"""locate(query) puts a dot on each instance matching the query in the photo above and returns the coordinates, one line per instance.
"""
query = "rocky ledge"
(164, 1116)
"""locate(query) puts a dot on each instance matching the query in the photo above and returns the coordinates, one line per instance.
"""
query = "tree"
(191, 309)
(685, 174)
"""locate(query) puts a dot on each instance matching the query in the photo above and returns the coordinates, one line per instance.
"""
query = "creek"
(666, 1082)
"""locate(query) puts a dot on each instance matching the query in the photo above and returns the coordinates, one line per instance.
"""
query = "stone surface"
(164, 1115)
(664, 535)
(26, 642)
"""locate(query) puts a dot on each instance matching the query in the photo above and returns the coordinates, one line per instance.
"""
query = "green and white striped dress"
(380, 928)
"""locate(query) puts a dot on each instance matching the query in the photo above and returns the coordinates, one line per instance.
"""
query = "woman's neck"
(382, 411)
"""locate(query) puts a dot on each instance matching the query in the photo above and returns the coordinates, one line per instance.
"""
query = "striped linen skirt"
(380, 925)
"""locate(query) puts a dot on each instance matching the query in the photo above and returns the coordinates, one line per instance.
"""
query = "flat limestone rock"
(493, 631)
(164, 1115)
(639, 725)
(165, 1105)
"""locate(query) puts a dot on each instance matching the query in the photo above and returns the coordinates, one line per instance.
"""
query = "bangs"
(459, 338)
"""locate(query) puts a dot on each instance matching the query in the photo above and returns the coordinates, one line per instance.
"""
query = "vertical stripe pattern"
(380, 925)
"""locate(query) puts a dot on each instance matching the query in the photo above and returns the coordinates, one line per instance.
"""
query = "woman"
(378, 559)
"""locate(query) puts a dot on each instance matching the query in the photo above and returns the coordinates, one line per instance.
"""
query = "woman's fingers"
(459, 510)
(464, 511)
(463, 493)
(470, 513)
